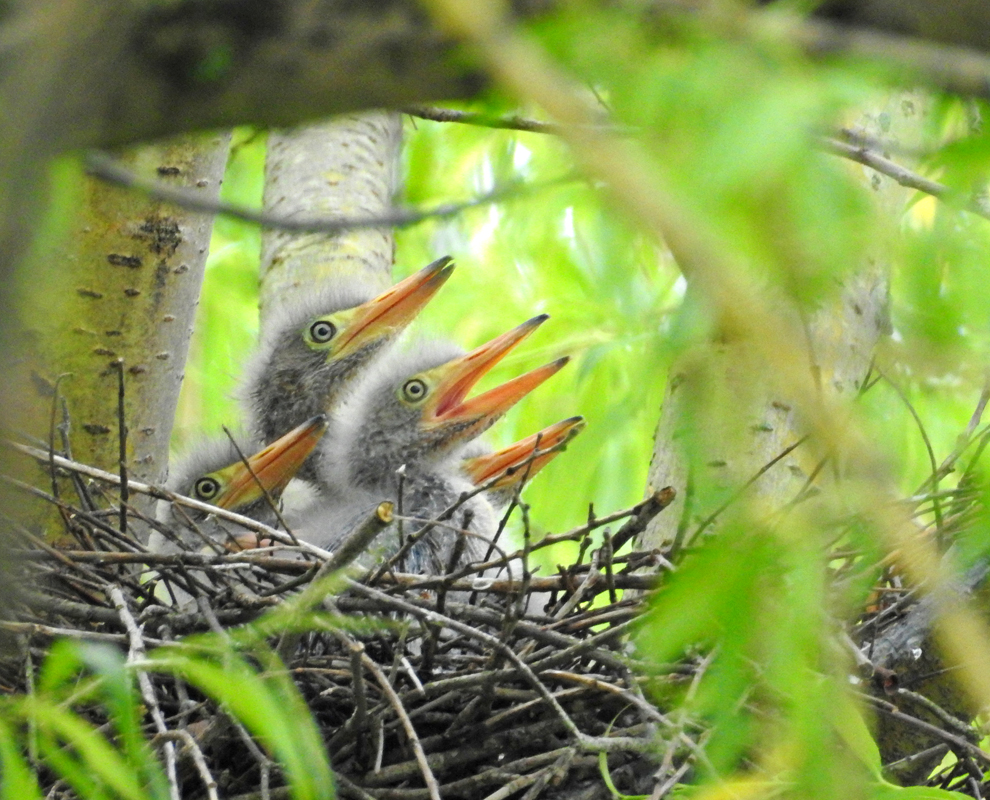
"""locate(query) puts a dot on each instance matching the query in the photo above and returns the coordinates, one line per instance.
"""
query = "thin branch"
(893, 711)
(106, 168)
(118, 366)
(164, 494)
(904, 176)
(269, 500)
(592, 743)
(135, 653)
(512, 122)
(400, 710)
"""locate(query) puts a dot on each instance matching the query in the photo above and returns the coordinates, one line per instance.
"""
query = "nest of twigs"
(502, 685)
(506, 685)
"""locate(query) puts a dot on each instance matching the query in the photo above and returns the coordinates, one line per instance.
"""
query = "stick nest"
(519, 685)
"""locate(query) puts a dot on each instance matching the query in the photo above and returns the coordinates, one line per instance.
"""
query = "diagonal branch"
(109, 169)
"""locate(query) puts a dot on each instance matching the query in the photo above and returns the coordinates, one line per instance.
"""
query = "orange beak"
(453, 380)
(273, 467)
(390, 312)
(524, 458)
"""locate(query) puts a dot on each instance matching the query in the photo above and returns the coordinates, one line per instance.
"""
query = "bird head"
(318, 346)
(414, 410)
(523, 459)
(214, 473)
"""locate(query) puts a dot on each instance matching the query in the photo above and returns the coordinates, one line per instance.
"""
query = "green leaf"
(17, 781)
(268, 705)
(122, 703)
(851, 727)
(887, 791)
(80, 754)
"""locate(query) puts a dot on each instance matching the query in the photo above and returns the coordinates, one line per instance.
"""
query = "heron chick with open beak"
(411, 414)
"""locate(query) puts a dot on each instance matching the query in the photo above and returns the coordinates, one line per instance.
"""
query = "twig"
(592, 743)
(904, 176)
(649, 710)
(264, 491)
(571, 603)
(513, 122)
(118, 366)
(652, 506)
(355, 544)
(107, 168)
(196, 753)
(136, 653)
(960, 727)
(891, 710)
(933, 463)
(862, 151)
(428, 777)
(164, 494)
(37, 629)
(360, 717)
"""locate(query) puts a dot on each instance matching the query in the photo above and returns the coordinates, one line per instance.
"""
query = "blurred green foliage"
(81, 684)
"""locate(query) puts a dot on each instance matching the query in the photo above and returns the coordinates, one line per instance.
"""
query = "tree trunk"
(716, 400)
(120, 294)
(346, 167)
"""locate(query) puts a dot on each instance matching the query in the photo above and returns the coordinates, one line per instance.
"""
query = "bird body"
(425, 497)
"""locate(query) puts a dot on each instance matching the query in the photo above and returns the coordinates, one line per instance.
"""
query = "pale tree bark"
(346, 167)
(717, 401)
(119, 294)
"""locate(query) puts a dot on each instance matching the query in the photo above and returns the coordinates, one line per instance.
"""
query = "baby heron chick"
(315, 348)
(214, 473)
(412, 412)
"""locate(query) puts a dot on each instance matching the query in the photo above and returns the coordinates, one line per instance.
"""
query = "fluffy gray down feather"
(286, 381)
(372, 435)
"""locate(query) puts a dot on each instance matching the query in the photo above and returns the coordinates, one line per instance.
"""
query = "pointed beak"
(494, 403)
(273, 467)
(524, 458)
(456, 378)
(390, 312)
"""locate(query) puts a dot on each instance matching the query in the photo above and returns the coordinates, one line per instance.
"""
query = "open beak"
(272, 467)
(390, 312)
(456, 378)
(525, 458)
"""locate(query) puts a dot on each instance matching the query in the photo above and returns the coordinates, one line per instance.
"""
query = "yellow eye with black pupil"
(414, 390)
(322, 331)
(206, 488)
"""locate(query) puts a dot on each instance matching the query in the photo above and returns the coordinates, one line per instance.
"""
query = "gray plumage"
(373, 434)
(215, 472)
(291, 378)
(377, 434)
(314, 348)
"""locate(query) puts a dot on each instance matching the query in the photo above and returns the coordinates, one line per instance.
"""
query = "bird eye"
(322, 331)
(414, 390)
(206, 488)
